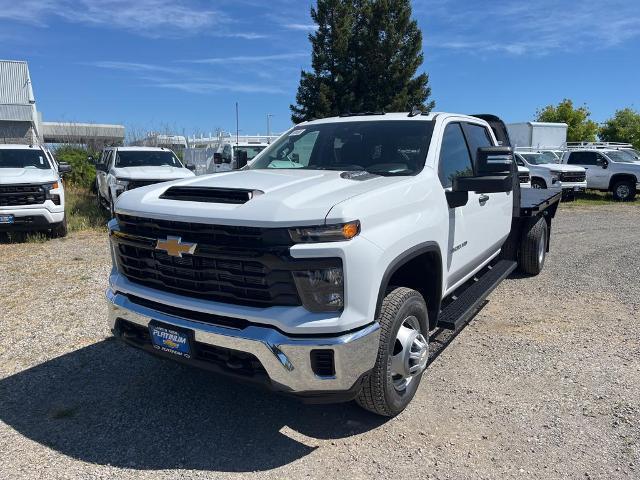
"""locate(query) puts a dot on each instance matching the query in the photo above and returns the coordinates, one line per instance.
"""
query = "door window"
(583, 158)
(455, 160)
(477, 137)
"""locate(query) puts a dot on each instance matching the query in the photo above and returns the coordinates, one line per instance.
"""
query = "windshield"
(23, 158)
(251, 151)
(141, 158)
(541, 158)
(621, 156)
(378, 147)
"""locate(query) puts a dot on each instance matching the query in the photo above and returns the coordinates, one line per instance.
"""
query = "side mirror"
(484, 184)
(241, 158)
(64, 168)
(492, 160)
(191, 167)
(602, 162)
(217, 158)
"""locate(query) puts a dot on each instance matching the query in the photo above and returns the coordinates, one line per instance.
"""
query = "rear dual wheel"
(403, 354)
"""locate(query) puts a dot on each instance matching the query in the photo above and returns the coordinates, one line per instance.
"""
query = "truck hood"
(10, 176)
(151, 173)
(290, 197)
(561, 167)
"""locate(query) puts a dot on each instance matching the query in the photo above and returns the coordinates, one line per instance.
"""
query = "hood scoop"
(234, 196)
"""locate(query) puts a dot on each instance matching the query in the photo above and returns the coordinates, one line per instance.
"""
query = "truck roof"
(140, 149)
(380, 116)
(19, 146)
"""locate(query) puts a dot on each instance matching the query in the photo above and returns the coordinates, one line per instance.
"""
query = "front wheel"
(538, 183)
(403, 354)
(60, 230)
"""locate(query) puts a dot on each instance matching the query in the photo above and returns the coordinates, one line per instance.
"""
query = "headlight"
(54, 197)
(121, 183)
(325, 233)
(321, 290)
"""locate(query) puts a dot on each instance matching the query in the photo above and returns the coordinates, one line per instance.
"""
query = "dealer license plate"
(170, 339)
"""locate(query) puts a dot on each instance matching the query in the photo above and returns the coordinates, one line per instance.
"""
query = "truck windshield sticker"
(41, 160)
(295, 133)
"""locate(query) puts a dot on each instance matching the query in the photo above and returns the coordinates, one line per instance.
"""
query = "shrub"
(83, 172)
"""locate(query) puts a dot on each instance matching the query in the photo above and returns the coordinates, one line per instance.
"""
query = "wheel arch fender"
(425, 256)
(616, 177)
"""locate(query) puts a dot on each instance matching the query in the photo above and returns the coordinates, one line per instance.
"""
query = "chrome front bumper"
(287, 360)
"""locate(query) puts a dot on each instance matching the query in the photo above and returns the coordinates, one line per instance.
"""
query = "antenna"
(415, 111)
(237, 125)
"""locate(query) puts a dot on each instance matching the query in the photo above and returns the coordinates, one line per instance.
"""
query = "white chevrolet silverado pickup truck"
(321, 268)
(31, 190)
(124, 168)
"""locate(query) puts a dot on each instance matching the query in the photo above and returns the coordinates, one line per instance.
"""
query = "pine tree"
(365, 56)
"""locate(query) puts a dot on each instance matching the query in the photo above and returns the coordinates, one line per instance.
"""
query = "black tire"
(378, 394)
(533, 248)
(624, 191)
(60, 230)
(538, 183)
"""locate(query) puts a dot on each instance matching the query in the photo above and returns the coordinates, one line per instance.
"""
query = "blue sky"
(182, 64)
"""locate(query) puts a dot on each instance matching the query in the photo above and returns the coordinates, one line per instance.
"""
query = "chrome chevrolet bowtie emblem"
(175, 247)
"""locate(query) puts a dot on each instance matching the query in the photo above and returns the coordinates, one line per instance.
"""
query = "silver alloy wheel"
(623, 191)
(541, 249)
(410, 354)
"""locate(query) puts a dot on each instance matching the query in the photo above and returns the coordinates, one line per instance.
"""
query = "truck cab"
(31, 190)
(233, 155)
(119, 169)
(321, 268)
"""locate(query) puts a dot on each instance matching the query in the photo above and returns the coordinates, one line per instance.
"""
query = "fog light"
(321, 290)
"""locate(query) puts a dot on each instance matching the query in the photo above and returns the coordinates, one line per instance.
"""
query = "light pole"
(269, 115)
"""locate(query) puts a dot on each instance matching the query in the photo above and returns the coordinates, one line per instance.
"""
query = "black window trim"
(466, 142)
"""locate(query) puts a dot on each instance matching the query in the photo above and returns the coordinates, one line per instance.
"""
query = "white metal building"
(20, 121)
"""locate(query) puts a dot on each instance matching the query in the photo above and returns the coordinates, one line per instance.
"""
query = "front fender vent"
(234, 196)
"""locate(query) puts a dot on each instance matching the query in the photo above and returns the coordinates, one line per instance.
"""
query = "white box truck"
(538, 135)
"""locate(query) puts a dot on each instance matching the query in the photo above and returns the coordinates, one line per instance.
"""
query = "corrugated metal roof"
(73, 132)
(16, 113)
(15, 83)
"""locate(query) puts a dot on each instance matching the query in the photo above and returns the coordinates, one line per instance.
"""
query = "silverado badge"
(175, 247)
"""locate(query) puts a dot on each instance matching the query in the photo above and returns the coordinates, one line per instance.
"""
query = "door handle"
(483, 199)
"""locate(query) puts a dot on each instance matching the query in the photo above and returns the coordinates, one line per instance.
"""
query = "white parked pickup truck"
(320, 269)
(612, 170)
(124, 168)
(31, 190)
(547, 173)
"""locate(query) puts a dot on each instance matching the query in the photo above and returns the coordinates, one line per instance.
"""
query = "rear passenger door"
(597, 177)
(492, 222)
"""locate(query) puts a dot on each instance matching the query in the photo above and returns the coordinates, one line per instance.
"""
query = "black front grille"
(572, 177)
(17, 195)
(143, 183)
(240, 265)
(524, 177)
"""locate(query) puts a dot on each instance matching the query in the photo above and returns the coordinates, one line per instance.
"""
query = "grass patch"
(595, 197)
(83, 212)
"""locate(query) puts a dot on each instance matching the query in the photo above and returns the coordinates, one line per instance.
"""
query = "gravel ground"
(544, 382)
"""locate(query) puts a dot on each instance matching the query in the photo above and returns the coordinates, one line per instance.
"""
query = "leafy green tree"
(83, 173)
(624, 126)
(365, 57)
(580, 127)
